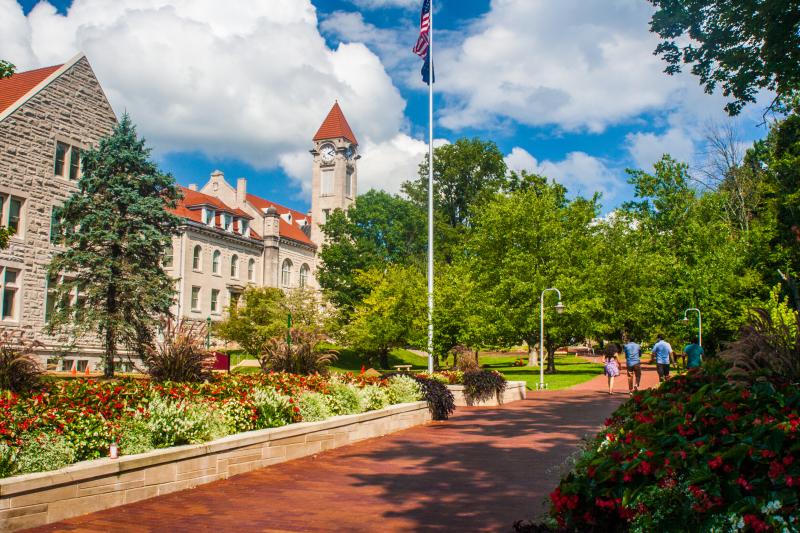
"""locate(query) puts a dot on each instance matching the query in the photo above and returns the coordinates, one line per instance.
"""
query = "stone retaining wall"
(515, 390)
(42, 498)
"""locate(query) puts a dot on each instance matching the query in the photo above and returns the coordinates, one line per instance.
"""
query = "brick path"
(480, 471)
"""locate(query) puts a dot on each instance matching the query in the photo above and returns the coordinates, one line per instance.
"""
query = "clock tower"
(334, 178)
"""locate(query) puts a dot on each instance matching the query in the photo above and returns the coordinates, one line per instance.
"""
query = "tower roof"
(335, 125)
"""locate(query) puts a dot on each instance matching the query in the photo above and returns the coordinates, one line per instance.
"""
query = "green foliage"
(180, 354)
(260, 316)
(313, 407)
(781, 314)
(393, 315)
(114, 230)
(344, 399)
(274, 409)
(403, 389)
(8, 459)
(19, 371)
(303, 355)
(766, 347)
(377, 229)
(135, 436)
(173, 423)
(43, 451)
(5, 234)
(742, 45)
(372, 398)
(6, 71)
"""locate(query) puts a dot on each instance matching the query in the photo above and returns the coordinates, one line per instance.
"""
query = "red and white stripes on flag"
(421, 48)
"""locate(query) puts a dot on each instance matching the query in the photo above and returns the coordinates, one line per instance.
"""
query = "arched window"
(304, 275)
(197, 263)
(215, 262)
(251, 270)
(235, 266)
(286, 273)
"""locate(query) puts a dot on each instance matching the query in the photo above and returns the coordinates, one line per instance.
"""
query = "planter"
(515, 391)
(45, 497)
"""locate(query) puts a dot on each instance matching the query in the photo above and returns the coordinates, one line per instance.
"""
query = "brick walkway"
(480, 471)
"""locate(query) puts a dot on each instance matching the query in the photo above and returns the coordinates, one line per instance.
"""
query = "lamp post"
(699, 323)
(208, 333)
(559, 309)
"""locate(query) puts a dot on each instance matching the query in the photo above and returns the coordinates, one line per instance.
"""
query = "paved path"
(480, 471)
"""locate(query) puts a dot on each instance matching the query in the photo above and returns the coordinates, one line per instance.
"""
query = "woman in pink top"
(611, 365)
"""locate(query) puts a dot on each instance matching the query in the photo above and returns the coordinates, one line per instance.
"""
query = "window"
(215, 300)
(79, 297)
(348, 184)
(304, 275)
(327, 183)
(82, 365)
(233, 297)
(227, 222)
(196, 258)
(50, 300)
(251, 270)
(208, 216)
(326, 213)
(11, 212)
(66, 365)
(168, 257)
(53, 224)
(235, 266)
(195, 298)
(286, 273)
(9, 287)
(215, 262)
(67, 161)
(243, 225)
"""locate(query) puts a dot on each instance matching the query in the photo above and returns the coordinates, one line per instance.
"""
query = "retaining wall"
(515, 390)
(36, 499)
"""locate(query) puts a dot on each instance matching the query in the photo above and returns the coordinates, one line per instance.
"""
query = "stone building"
(229, 239)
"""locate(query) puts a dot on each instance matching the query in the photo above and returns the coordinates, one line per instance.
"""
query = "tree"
(6, 69)
(260, 316)
(378, 229)
(744, 45)
(393, 315)
(465, 174)
(114, 230)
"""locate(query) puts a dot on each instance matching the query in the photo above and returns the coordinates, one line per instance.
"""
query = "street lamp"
(559, 307)
(699, 323)
(208, 333)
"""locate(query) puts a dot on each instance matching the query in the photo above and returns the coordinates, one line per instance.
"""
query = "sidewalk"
(479, 471)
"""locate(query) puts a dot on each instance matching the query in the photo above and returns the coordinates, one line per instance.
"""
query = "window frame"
(197, 258)
(215, 308)
(251, 270)
(6, 199)
(16, 288)
(216, 258)
(194, 299)
(235, 266)
(71, 169)
(286, 272)
(305, 270)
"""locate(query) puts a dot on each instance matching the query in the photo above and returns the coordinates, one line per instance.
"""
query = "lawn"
(571, 370)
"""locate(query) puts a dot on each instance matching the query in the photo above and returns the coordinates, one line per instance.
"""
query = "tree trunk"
(111, 331)
(384, 358)
(551, 359)
(477, 362)
(532, 355)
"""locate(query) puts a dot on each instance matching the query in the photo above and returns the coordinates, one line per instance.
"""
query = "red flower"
(755, 523)
(715, 463)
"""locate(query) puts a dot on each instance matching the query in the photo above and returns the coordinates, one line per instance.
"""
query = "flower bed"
(696, 454)
(75, 420)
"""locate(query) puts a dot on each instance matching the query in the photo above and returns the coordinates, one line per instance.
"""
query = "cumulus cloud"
(252, 83)
(579, 172)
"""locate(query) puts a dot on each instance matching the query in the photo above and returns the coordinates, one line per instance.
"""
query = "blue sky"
(568, 89)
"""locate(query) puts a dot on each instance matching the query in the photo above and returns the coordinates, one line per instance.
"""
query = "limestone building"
(229, 239)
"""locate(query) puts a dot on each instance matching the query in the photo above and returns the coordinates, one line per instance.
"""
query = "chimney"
(241, 191)
(216, 177)
(192, 187)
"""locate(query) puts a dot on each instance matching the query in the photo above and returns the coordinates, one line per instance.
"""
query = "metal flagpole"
(430, 192)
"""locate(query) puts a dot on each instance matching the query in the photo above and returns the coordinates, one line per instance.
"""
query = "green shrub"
(313, 407)
(274, 409)
(43, 452)
(403, 389)
(238, 416)
(8, 458)
(174, 423)
(135, 436)
(343, 399)
(373, 398)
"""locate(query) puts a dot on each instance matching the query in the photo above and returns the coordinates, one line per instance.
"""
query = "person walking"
(694, 354)
(611, 365)
(633, 365)
(662, 350)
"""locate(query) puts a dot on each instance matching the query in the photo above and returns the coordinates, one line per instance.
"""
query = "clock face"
(328, 152)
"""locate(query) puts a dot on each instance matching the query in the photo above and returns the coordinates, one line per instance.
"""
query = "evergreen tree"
(114, 230)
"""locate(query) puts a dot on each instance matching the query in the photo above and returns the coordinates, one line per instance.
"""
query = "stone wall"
(515, 391)
(72, 109)
(43, 498)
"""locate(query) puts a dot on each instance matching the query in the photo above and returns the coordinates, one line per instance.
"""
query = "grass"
(570, 370)
(350, 361)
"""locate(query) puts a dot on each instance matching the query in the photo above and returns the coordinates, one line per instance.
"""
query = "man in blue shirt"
(694, 354)
(633, 360)
(663, 354)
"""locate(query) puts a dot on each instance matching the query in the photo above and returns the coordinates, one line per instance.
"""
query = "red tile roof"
(334, 126)
(290, 230)
(15, 87)
(196, 199)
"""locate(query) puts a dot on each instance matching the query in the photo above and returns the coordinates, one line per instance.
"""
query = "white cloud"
(647, 148)
(381, 4)
(252, 83)
(579, 172)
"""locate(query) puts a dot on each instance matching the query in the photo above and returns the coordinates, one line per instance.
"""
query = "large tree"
(742, 45)
(262, 314)
(114, 230)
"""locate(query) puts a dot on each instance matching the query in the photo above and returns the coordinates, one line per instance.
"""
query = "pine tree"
(114, 230)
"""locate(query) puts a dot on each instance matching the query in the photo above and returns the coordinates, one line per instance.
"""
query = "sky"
(568, 89)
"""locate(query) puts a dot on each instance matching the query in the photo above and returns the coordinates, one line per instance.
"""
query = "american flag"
(421, 48)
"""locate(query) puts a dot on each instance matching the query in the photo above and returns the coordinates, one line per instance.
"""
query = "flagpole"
(430, 194)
